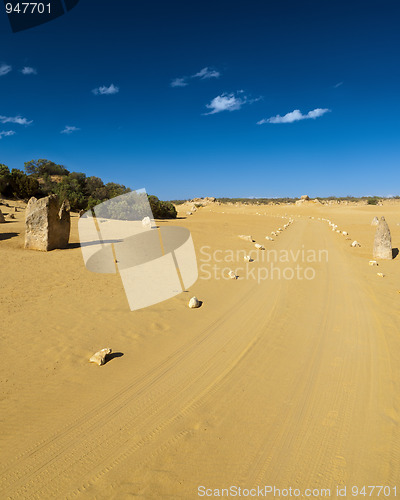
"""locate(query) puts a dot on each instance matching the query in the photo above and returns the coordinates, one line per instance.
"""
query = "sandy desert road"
(296, 384)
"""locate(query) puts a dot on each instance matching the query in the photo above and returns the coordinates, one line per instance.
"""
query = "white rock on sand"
(375, 221)
(146, 222)
(246, 237)
(232, 275)
(355, 244)
(100, 356)
(259, 247)
(194, 303)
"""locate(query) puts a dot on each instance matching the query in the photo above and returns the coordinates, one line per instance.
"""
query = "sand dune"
(286, 382)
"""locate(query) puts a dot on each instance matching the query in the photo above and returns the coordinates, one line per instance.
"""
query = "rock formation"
(383, 241)
(246, 238)
(375, 221)
(194, 303)
(47, 224)
(2, 219)
(100, 356)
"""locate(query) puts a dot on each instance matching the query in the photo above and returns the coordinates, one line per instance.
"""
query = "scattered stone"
(12, 216)
(355, 244)
(269, 238)
(381, 275)
(2, 219)
(259, 247)
(194, 303)
(232, 275)
(15, 209)
(375, 221)
(100, 356)
(247, 258)
(189, 213)
(246, 238)
(47, 223)
(146, 222)
(345, 233)
(383, 241)
(305, 197)
(372, 263)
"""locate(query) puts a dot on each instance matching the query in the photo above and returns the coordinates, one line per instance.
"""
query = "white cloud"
(338, 85)
(179, 82)
(15, 119)
(6, 133)
(229, 102)
(206, 73)
(69, 129)
(203, 74)
(104, 90)
(4, 69)
(27, 70)
(295, 116)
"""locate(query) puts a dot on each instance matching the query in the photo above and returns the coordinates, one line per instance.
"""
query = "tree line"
(43, 177)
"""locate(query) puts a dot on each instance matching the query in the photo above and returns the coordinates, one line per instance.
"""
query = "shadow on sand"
(395, 252)
(7, 236)
(113, 355)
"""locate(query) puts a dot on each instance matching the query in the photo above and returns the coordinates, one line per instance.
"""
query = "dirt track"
(287, 383)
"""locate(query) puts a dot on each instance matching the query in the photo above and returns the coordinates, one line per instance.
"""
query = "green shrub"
(373, 200)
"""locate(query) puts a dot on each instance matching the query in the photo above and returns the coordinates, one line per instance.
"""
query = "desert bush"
(373, 200)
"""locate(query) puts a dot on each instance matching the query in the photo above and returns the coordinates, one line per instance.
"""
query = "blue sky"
(249, 98)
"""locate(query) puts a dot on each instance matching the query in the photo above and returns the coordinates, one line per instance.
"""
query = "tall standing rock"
(2, 219)
(47, 224)
(375, 221)
(383, 241)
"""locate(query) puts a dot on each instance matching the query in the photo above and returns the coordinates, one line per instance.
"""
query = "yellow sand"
(292, 383)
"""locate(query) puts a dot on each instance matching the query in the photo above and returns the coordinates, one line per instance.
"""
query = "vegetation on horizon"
(370, 200)
(43, 177)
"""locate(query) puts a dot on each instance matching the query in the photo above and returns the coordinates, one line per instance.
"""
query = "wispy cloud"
(229, 102)
(203, 74)
(27, 70)
(104, 90)
(69, 129)
(179, 82)
(5, 69)
(206, 73)
(338, 85)
(295, 116)
(15, 119)
(6, 133)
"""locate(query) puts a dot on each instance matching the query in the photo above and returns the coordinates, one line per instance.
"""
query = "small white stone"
(246, 237)
(146, 222)
(372, 263)
(194, 303)
(259, 247)
(100, 356)
(232, 275)
(355, 244)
